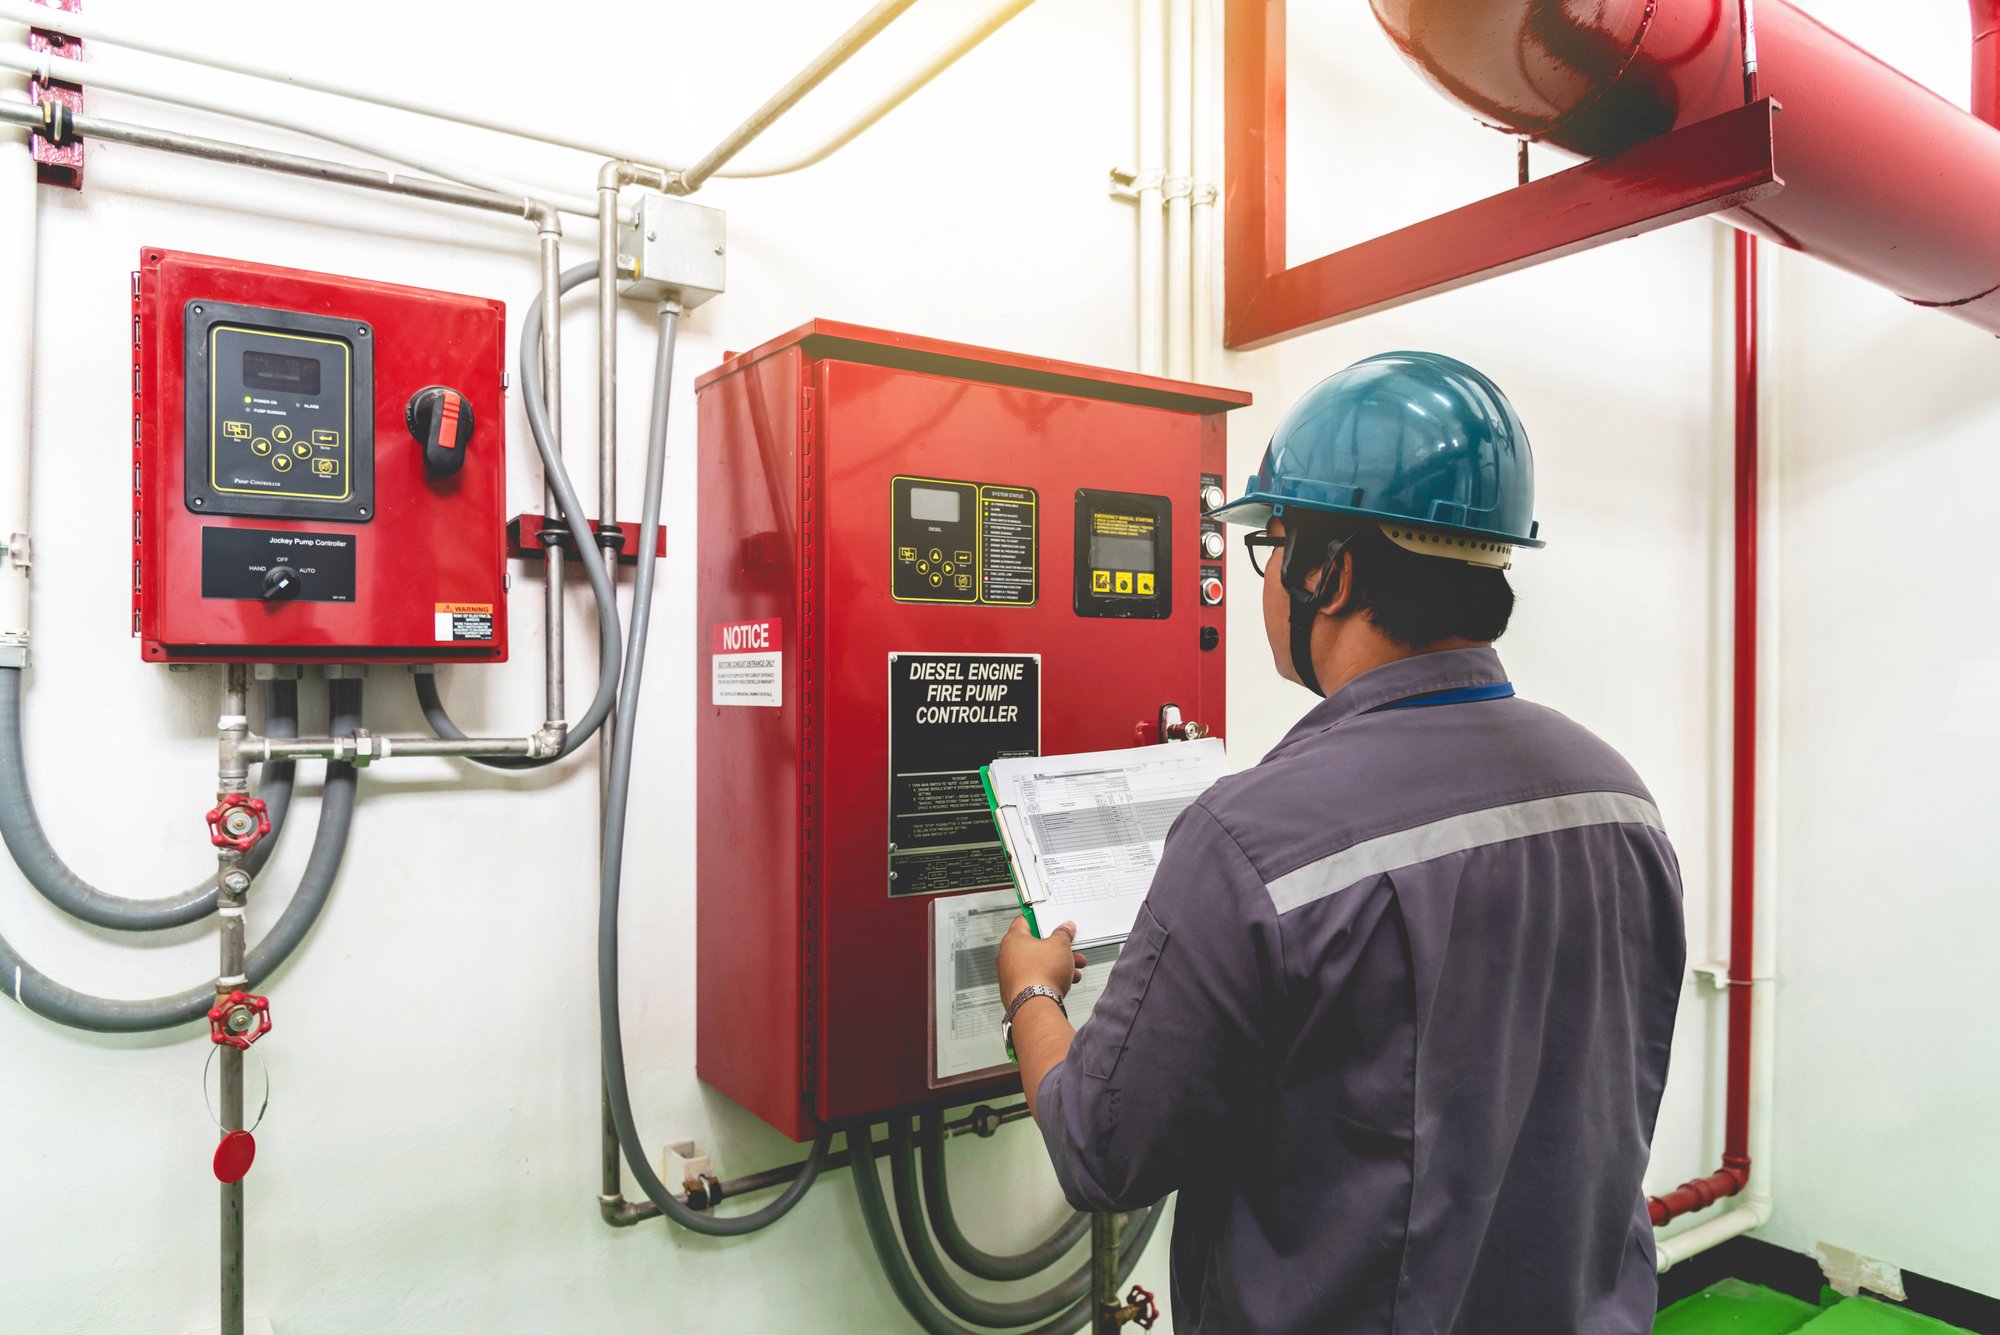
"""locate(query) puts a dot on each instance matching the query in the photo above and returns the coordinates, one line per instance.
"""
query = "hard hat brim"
(1256, 509)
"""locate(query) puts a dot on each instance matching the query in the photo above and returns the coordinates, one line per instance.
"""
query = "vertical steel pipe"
(1104, 1274)
(555, 706)
(232, 775)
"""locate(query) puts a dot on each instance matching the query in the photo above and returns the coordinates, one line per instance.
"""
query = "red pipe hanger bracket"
(1719, 163)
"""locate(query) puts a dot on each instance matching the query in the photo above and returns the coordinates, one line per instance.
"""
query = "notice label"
(462, 621)
(748, 664)
(948, 715)
(1007, 545)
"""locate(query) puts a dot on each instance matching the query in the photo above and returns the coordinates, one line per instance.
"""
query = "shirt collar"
(1419, 674)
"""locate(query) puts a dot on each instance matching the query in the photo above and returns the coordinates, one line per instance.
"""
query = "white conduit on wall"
(17, 320)
(1173, 184)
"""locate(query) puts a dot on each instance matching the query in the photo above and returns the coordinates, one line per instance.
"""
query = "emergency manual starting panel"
(917, 558)
(317, 467)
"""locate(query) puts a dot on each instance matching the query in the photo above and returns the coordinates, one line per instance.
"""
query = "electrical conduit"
(963, 1254)
(37, 992)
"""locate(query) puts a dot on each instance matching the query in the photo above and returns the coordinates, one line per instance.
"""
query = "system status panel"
(317, 467)
(916, 557)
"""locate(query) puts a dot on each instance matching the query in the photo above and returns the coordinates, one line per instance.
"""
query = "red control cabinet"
(914, 556)
(318, 471)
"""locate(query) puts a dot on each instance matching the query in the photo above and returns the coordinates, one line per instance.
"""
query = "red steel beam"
(1719, 163)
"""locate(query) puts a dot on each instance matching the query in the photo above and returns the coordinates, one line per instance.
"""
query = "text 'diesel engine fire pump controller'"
(916, 557)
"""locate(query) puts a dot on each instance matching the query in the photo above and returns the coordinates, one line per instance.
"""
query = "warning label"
(748, 666)
(462, 621)
(948, 715)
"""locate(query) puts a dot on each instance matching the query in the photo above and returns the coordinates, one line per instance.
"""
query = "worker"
(1395, 1014)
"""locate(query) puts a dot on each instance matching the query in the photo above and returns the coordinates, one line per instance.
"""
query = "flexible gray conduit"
(617, 795)
(959, 1248)
(882, 1233)
(589, 555)
(949, 1292)
(42, 995)
(47, 872)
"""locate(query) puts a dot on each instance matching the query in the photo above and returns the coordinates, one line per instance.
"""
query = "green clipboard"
(1007, 847)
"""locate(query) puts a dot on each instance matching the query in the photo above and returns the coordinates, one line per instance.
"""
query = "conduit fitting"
(1131, 182)
(618, 172)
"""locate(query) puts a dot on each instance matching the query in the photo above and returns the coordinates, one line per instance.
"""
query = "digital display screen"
(1113, 552)
(934, 505)
(274, 370)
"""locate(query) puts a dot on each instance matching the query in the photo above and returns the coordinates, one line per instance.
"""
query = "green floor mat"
(1735, 1308)
(1865, 1316)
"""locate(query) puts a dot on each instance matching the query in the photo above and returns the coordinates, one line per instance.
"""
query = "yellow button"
(965, 581)
(906, 553)
(326, 438)
(963, 558)
(260, 446)
(923, 566)
(936, 579)
(303, 450)
(1146, 583)
(1100, 581)
(936, 555)
(282, 463)
(1121, 582)
(236, 430)
(947, 567)
(326, 467)
(281, 433)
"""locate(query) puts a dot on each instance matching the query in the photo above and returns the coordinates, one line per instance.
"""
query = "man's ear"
(1343, 591)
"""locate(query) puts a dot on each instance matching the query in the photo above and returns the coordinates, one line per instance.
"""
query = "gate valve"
(239, 1019)
(238, 821)
(1141, 1308)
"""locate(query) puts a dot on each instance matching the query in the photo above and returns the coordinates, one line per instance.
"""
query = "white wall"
(1888, 1068)
(447, 1180)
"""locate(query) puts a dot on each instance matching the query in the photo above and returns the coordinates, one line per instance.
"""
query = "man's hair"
(1413, 599)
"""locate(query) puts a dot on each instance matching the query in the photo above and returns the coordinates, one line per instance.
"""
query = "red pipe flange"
(239, 1019)
(230, 822)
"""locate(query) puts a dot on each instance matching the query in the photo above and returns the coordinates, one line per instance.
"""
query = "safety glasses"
(1260, 544)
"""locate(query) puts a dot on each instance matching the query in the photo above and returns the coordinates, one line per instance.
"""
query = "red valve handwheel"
(218, 1019)
(1145, 1309)
(242, 843)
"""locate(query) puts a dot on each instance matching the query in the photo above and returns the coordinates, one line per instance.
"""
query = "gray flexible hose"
(958, 1247)
(589, 555)
(882, 1233)
(47, 872)
(42, 995)
(617, 794)
(949, 1292)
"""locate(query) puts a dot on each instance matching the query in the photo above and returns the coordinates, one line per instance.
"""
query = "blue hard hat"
(1403, 437)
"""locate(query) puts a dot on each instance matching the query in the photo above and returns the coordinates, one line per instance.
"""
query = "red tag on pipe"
(234, 1156)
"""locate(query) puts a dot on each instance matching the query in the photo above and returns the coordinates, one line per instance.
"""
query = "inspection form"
(1085, 832)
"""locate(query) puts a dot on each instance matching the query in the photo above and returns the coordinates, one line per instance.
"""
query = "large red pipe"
(1986, 60)
(1883, 178)
(1734, 1174)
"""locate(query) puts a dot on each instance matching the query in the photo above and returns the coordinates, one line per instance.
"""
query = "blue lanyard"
(1463, 695)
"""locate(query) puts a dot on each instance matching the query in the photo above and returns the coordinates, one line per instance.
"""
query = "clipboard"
(1083, 833)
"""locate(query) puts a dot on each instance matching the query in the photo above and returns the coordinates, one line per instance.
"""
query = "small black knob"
(441, 420)
(281, 584)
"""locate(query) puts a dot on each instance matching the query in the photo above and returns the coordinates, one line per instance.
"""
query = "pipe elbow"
(544, 215)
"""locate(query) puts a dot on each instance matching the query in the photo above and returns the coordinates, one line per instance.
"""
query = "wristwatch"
(1026, 994)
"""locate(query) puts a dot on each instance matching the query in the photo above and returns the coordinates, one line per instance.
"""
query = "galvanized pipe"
(363, 749)
(1104, 1274)
(232, 776)
(807, 79)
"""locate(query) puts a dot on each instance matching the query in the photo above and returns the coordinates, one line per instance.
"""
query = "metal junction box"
(915, 557)
(318, 470)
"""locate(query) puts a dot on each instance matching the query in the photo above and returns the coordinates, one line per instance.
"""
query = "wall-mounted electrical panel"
(318, 467)
(915, 557)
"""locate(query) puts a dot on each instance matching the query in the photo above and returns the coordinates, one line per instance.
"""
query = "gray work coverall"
(1394, 1021)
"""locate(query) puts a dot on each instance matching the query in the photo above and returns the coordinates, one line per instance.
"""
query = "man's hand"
(1052, 961)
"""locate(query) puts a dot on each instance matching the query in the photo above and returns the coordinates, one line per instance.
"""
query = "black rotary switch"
(441, 420)
(281, 584)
